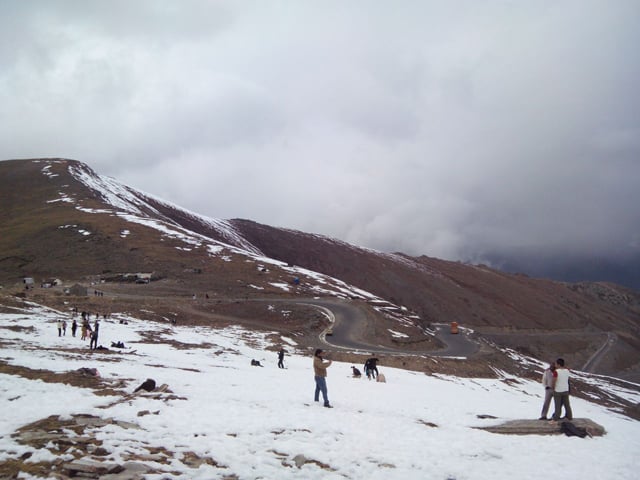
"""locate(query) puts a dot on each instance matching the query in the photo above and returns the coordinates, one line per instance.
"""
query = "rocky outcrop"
(543, 427)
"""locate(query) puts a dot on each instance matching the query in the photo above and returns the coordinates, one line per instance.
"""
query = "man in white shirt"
(561, 391)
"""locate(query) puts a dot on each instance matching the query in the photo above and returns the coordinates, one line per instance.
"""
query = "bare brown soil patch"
(99, 385)
(76, 437)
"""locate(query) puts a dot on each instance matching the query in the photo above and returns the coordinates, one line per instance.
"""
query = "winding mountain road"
(349, 324)
(602, 351)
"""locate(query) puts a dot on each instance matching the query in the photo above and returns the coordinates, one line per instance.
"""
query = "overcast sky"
(456, 129)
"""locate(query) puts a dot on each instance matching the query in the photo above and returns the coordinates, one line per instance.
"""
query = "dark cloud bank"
(494, 132)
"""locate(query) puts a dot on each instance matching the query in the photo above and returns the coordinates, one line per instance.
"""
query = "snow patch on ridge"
(132, 206)
(130, 202)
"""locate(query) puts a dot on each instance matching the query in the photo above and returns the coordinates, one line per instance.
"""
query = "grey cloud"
(458, 130)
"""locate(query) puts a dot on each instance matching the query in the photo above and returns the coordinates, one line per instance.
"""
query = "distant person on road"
(320, 366)
(281, 358)
(547, 382)
(561, 391)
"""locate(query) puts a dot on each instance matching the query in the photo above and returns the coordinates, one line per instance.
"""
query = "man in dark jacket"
(281, 358)
(373, 367)
(93, 344)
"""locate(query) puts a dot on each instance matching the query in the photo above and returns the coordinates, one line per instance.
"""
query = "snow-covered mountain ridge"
(131, 204)
(221, 236)
(62, 220)
(134, 205)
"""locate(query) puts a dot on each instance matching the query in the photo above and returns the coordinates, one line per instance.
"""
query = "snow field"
(255, 421)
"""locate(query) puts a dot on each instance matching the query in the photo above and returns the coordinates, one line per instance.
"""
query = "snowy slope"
(138, 207)
(135, 206)
(256, 422)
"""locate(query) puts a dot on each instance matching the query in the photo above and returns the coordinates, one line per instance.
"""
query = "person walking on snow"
(59, 325)
(547, 383)
(74, 327)
(320, 366)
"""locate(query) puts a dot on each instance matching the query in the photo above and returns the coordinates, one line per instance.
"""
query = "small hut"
(77, 290)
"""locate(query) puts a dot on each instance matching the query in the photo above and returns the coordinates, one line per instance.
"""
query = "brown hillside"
(52, 225)
(535, 316)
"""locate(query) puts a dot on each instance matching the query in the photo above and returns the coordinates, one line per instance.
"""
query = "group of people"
(62, 327)
(320, 365)
(85, 329)
(555, 380)
(91, 332)
(370, 369)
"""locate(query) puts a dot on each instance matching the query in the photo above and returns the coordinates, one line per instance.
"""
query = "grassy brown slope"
(39, 237)
(445, 291)
(512, 309)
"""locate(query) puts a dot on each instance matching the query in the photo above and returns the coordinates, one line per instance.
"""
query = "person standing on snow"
(547, 383)
(93, 343)
(281, 358)
(561, 391)
(85, 329)
(320, 366)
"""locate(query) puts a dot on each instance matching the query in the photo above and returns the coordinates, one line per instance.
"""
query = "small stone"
(100, 452)
(300, 460)
(86, 466)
